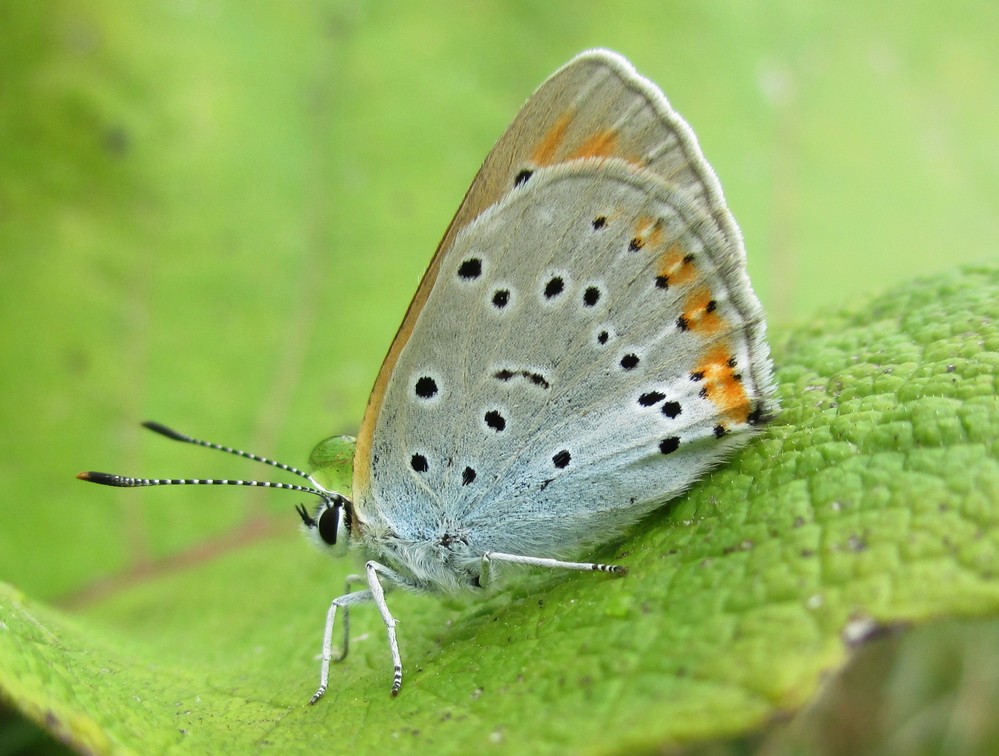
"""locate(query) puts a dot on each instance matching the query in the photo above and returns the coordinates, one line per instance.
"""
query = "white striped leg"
(556, 564)
(345, 601)
(378, 594)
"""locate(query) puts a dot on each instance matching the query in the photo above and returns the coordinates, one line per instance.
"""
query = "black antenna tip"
(164, 431)
(104, 479)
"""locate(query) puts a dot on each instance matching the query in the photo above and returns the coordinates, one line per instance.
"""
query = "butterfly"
(584, 345)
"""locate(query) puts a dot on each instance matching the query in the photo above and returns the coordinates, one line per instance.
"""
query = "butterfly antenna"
(183, 437)
(124, 481)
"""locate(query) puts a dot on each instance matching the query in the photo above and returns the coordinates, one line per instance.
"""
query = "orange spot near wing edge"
(675, 266)
(699, 313)
(723, 386)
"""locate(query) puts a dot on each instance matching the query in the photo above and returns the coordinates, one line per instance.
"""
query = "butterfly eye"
(325, 523)
(329, 522)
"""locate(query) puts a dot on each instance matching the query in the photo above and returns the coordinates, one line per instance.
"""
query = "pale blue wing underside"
(565, 375)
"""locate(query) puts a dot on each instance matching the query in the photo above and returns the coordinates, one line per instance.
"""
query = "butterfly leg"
(378, 595)
(345, 601)
(375, 593)
(557, 564)
(351, 580)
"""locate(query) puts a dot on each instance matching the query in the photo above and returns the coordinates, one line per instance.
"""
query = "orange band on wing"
(601, 144)
(648, 232)
(676, 266)
(544, 153)
(723, 385)
(699, 314)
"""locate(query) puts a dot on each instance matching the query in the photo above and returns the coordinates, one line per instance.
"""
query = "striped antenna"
(124, 481)
(178, 436)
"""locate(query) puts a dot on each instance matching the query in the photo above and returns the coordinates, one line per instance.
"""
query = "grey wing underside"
(569, 343)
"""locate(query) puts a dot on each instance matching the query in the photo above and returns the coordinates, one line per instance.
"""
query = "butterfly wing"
(597, 104)
(585, 342)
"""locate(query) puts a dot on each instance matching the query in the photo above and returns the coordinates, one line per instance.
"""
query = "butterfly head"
(331, 470)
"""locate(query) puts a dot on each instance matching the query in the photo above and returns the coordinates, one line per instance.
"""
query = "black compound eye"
(329, 522)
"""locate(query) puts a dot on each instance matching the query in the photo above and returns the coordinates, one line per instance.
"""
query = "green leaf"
(870, 502)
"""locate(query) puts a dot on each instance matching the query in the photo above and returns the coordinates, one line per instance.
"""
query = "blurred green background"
(214, 214)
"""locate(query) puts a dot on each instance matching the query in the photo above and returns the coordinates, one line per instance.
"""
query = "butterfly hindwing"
(572, 387)
(583, 245)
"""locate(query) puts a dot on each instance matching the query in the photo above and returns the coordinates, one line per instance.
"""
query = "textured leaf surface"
(871, 501)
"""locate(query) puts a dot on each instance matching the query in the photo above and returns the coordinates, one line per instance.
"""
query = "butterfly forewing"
(585, 336)
(566, 119)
